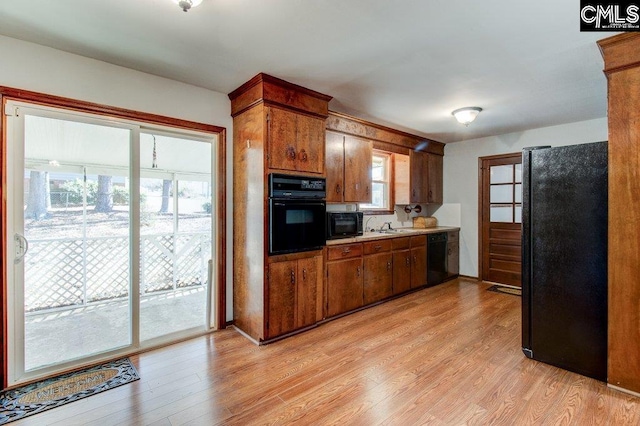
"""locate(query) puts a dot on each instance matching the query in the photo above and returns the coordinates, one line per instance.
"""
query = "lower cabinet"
(418, 261)
(402, 265)
(345, 278)
(294, 296)
(378, 271)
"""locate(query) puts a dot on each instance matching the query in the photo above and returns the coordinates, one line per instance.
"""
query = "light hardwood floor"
(446, 355)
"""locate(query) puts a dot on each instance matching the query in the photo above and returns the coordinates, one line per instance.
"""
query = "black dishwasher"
(436, 258)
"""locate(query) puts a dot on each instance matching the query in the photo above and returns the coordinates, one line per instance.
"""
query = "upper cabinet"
(418, 178)
(348, 164)
(295, 141)
(350, 141)
(434, 184)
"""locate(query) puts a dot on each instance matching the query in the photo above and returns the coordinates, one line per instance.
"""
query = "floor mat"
(505, 290)
(51, 393)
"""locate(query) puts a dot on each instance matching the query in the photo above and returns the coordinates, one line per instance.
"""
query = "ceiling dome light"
(185, 5)
(466, 115)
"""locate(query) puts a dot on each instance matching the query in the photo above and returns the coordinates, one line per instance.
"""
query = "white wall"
(36, 68)
(461, 174)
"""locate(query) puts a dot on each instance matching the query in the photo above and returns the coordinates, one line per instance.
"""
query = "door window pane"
(518, 193)
(501, 174)
(518, 214)
(518, 172)
(76, 219)
(501, 214)
(501, 194)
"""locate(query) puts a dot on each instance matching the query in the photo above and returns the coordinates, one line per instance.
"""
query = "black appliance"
(436, 258)
(564, 257)
(344, 224)
(296, 213)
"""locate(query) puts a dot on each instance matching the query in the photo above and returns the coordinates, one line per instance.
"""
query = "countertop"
(403, 232)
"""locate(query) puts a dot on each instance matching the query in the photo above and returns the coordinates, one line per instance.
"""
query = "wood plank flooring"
(446, 355)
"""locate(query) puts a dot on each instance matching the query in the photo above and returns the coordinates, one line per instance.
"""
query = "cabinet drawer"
(344, 251)
(378, 246)
(453, 236)
(419, 240)
(401, 243)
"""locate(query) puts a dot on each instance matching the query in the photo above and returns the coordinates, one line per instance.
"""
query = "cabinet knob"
(407, 261)
(388, 266)
(358, 271)
(304, 274)
(293, 276)
(338, 188)
(291, 153)
(303, 155)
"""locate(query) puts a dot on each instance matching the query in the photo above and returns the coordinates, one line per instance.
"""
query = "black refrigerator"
(564, 257)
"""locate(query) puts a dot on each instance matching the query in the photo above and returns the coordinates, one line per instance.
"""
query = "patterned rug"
(51, 393)
(505, 290)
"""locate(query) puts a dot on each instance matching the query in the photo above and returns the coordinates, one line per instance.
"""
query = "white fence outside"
(68, 273)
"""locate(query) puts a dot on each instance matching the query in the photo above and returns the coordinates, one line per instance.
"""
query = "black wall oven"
(297, 210)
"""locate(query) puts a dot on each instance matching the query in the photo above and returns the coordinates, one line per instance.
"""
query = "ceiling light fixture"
(466, 115)
(185, 5)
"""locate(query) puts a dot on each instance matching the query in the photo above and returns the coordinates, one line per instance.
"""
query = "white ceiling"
(404, 63)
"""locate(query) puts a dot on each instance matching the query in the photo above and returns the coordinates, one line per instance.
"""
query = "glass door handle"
(22, 247)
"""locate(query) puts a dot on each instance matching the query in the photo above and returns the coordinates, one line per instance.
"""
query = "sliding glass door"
(110, 238)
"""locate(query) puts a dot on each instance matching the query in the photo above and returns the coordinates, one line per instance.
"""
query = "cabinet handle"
(367, 190)
(338, 188)
(430, 195)
(413, 192)
(303, 155)
(291, 153)
(388, 266)
(293, 276)
(407, 261)
(346, 251)
(304, 274)
(377, 248)
(415, 259)
(358, 271)
(357, 186)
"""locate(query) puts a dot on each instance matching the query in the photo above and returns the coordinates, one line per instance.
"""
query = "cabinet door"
(357, 170)
(401, 271)
(283, 152)
(344, 286)
(307, 290)
(435, 178)
(453, 259)
(418, 266)
(310, 144)
(419, 177)
(282, 298)
(378, 276)
(334, 149)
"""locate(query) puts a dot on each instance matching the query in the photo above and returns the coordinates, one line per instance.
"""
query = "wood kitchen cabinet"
(345, 278)
(435, 179)
(418, 261)
(378, 271)
(293, 294)
(348, 167)
(423, 175)
(277, 127)
(402, 265)
(295, 141)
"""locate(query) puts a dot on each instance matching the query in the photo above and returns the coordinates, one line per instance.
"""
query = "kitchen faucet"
(366, 224)
(386, 223)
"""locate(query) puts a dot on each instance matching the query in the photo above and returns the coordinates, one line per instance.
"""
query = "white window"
(380, 183)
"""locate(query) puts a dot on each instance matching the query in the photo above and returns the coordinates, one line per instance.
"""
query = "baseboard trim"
(502, 285)
(618, 388)
(469, 277)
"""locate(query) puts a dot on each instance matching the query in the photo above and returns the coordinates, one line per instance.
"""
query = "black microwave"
(344, 224)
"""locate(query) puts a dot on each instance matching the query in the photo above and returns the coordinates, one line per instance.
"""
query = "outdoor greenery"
(75, 189)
